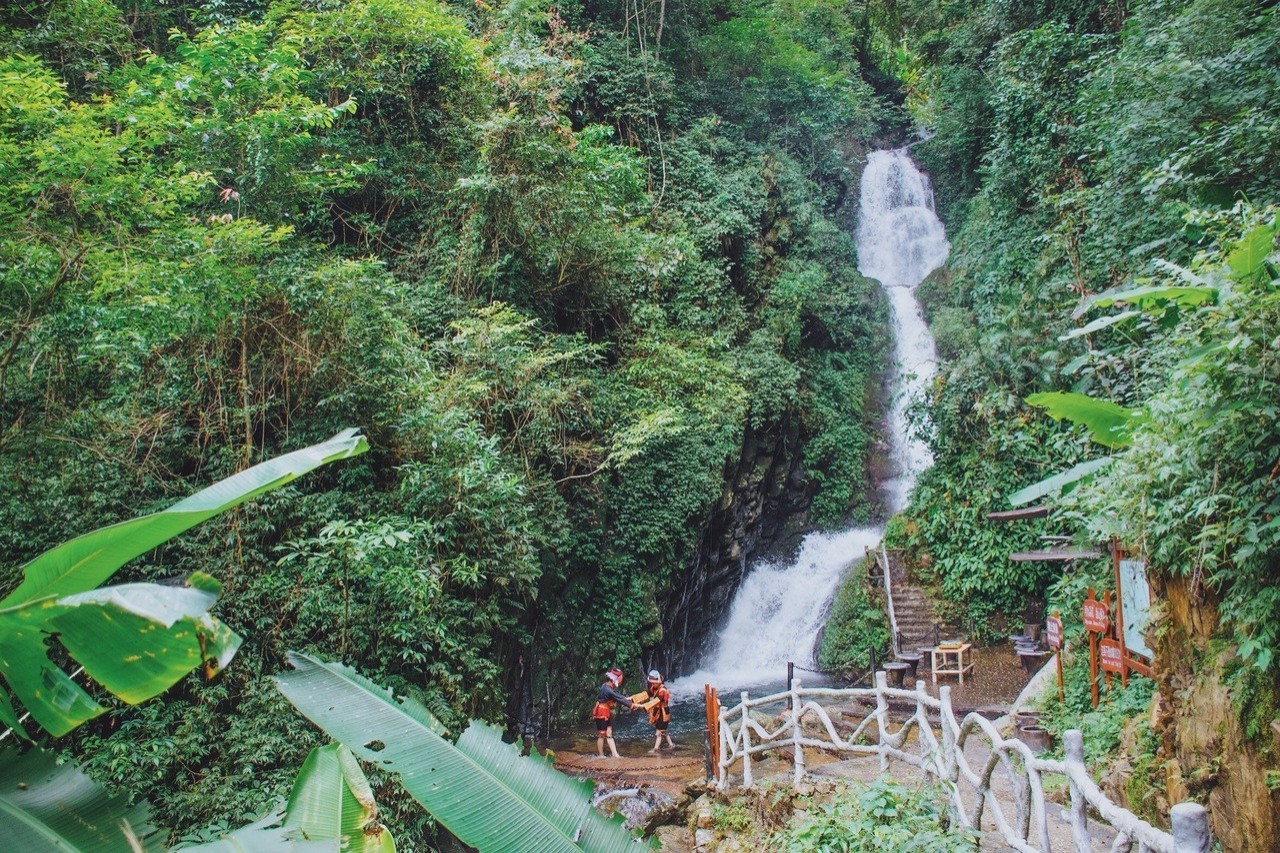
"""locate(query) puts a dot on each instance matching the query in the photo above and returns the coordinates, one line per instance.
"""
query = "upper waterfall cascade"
(779, 609)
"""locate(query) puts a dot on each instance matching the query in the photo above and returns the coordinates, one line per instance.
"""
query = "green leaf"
(1147, 298)
(331, 807)
(482, 789)
(332, 799)
(88, 560)
(136, 640)
(1246, 257)
(1054, 485)
(47, 806)
(1108, 424)
(1099, 324)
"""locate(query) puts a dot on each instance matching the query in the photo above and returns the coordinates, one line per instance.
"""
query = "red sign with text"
(1111, 657)
(1053, 632)
(1094, 615)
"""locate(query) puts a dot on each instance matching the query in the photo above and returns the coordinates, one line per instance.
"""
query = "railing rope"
(941, 756)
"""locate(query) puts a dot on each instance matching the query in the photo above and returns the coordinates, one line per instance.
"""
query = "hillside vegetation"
(1110, 174)
(556, 262)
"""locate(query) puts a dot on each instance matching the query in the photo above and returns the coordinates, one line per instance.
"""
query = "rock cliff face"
(766, 498)
(1216, 724)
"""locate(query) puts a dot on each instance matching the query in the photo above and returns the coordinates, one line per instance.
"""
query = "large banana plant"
(49, 806)
(481, 789)
(135, 640)
(45, 806)
(331, 807)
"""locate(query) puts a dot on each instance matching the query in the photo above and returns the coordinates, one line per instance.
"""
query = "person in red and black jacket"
(656, 699)
(602, 713)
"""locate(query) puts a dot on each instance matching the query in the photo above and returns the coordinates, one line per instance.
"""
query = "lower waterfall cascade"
(779, 610)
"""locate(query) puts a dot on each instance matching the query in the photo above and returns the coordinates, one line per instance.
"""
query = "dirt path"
(668, 773)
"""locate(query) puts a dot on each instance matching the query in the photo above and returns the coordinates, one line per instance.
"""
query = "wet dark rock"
(766, 502)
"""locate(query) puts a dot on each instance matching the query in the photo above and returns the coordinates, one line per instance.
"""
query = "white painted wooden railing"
(939, 755)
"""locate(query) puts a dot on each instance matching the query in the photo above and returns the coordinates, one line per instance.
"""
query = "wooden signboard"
(1053, 637)
(1094, 614)
(1053, 632)
(1112, 656)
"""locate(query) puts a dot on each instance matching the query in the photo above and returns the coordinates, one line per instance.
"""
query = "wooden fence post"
(1073, 753)
(797, 748)
(713, 730)
(746, 743)
(1190, 828)
(947, 718)
(882, 717)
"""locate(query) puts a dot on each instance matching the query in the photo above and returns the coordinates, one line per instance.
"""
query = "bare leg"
(600, 746)
(613, 747)
(657, 741)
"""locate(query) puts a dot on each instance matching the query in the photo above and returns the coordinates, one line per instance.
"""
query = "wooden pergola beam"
(1039, 511)
(1055, 555)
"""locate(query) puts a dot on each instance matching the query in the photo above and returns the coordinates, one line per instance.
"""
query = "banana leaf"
(1151, 296)
(1058, 482)
(136, 640)
(1108, 424)
(45, 806)
(1248, 256)
(331, 808)
(86, 561)
(1100, 324)
(482, 790)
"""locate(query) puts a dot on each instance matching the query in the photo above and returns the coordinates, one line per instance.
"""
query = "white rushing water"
(900, 241)
(779, 609)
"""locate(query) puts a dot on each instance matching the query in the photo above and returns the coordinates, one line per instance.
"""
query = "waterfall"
(900, 241)
(778, 611)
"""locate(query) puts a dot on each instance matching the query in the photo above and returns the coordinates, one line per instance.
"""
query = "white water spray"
(779, 609)
(900, 241)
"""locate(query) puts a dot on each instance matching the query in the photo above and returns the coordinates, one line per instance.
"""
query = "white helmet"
(654, 675)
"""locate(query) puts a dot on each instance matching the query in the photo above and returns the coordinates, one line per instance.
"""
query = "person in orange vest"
(657, 701)
(602, 713)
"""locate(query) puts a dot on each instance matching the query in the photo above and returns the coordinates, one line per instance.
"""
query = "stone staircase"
(914, 611)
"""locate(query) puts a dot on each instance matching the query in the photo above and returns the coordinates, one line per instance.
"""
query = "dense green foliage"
(556, 263)
(881, 815)
(1082, 147)
(856, 624)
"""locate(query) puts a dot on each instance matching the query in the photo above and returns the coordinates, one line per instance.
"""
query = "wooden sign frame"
(1128, 660)
(1095, 613)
